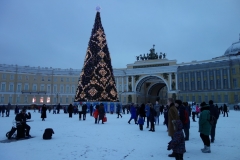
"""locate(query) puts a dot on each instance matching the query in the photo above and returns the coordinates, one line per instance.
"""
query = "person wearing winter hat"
(205, 127)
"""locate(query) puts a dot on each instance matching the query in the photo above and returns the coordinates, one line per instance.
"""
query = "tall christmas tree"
(96, 81)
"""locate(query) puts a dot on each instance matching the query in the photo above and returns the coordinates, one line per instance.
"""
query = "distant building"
(152, 76)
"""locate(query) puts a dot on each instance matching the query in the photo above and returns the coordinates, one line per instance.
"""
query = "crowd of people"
(176, 118)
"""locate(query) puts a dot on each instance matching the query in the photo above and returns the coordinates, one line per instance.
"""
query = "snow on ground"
(114, 140)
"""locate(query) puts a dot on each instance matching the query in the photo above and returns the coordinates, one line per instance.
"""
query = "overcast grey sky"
(55, 33)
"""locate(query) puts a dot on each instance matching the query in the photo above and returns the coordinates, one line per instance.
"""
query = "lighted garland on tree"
(97, 81)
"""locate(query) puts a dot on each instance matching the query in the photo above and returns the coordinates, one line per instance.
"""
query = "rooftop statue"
(151, 55)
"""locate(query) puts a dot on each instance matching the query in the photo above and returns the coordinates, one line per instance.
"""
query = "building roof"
(233, 49)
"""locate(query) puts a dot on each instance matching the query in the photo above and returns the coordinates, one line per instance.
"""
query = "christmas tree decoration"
(97, 81)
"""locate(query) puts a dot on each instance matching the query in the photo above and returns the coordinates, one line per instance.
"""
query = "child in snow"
(177, 144)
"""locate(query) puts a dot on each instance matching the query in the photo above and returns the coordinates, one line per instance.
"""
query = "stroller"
(17, 126)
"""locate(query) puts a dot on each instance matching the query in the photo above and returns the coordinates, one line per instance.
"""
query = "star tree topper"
(98, 8)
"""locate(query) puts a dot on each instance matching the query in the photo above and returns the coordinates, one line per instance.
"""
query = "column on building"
(195, 78)
(202, 80)
(122, 84)
(170, 81)
(132, 83)
(183, 81)
(127, 82)
(221, 78)
(176, 80)
(215, 79)
(208, 79)
(189, 81)
(117, 83)
(228, 75)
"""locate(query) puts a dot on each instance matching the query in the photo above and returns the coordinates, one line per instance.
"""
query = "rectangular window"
(225, 98)
(218, 84)
(61, 89)
(34, 87)
(206, 99)
(199, 85)
(34, 78)
(200, 99)
(233, 71)
(2, 99)
(55, 89)
(193, 99)
(27, 78)
(67, 79)
(234, 83)
(41, 99)
(73, 89)
(211, 84)
(55, 100)
(3, 76)
(25, 99)
(61, 79)
(67, 100)
(187, 98)
(11, 77)
(48, 89)
(60, 99)
(11, 87)
(26, 87)
(3, 87)
(225, 85)
(19, 77)
(34, 100)
(49, 79)
(18, 99)
(55, 79)
(192, 85)
(186, 86)
(212, 98)
(42, 87)
(67, 89)
(225, 72)
(19, 88)
(42, 78)
(219, 99)
(48, 99)
(10, 99)
(205, 84)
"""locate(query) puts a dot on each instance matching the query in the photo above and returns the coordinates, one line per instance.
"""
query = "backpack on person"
(212, 120)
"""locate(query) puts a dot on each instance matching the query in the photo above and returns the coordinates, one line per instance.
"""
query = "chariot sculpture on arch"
(151, 55)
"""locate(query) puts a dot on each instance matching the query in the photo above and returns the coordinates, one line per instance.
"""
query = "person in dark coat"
(21, 119)
(213, 112)
(118, 110)
(165, 112)
(84, 110)
(3, 110)
(8, 109)
(44, 112)
(133, 114)
(58, 108)
(177, 144)
(205, 127)
(141, 116)
(225, 110)
(101, 112)
(16, 109)
(70, 110)
(91, 110)
(152, 116)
